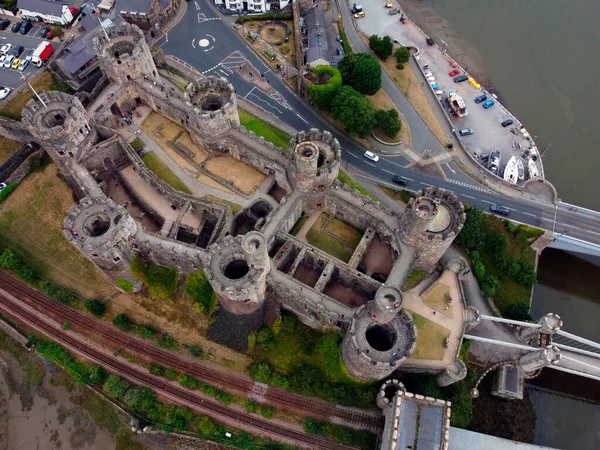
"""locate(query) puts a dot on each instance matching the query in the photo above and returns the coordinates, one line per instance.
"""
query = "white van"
(372, 156)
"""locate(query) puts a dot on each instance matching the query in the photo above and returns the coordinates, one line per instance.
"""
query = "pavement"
(488, 133)
(226, 47)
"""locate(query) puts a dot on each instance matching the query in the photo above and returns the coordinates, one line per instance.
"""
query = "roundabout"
(206, 43)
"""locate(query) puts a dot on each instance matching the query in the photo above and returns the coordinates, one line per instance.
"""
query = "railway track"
(273, 395)
(208, 407)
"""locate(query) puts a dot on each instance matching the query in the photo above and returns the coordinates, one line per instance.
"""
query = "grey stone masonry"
(535, 360)
(549, 324)
(452, 374)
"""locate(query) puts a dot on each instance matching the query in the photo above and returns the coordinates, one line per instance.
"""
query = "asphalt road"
(223, 48)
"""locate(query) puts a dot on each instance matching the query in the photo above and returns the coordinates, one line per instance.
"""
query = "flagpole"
(34, 91)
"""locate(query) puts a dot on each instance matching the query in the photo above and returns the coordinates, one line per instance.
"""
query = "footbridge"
(570, 353)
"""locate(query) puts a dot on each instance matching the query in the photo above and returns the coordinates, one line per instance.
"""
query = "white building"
(253, 6)
(54, 13)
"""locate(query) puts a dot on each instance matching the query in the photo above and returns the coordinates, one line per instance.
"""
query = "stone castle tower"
(430, 223)
(237, 270)
(102, 231)
(549, 324)
(125, 56)
(214, 103)
(61, 125)
(380, 338)
(316, 160)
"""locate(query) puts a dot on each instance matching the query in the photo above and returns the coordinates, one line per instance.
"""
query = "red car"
(454, 73)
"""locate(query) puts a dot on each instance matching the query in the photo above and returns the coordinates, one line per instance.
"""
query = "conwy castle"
(252, 259)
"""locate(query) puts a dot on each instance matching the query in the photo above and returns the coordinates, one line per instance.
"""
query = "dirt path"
(308, 225)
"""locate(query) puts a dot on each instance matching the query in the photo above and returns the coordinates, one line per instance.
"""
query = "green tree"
(115, 386)
(188, 381)
(178, 417)
(123, 322)
(206, 426)
(388, 121)
(354, 111)
(156, 369)
(95, 307)
(140, 399)
(383, 47)
(496, 243)
(518, 311)
(402, 55)
(58, 32)
(479, 270)
(362, 72)
(166, 341)
(329, 82)
(147, 332)
(489, 285)
(471, 236)
(97, 375)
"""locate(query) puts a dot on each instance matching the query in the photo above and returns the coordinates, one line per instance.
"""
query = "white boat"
(520, 169)
(533, 170)
(511, 171)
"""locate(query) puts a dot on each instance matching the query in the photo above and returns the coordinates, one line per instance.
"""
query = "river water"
(542, 57)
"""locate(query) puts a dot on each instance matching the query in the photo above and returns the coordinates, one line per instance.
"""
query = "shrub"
(161, 281)
(123, 322)
(166, 341)
(66, 326)
(147, 332)
(206, 426)
(196, 352)
(224, 398)
(124, 285)
(479, 270)
(58, 293)
(518, 311)
(244, 19)
(264, 336)
(95, 307)
(8, 190)
(58, 31)
(115, 386)
(198, 287)
(382, 47)
(322, 95)
(97, 375)
(177, 418)
(137, 268)
(157, 369)
(137, 144)
(471, 236)
(362, 72)
(11, 261)
(402, 55)
(267, 412)
(388, 122)
(400, 66)
(188, 382)
(171, 374)
(140, 399)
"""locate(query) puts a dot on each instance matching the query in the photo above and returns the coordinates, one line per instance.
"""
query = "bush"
(8, 190)
(166, 341)
(205, 426)
(245, 19)
(140, 399)
(170, 374)
(362, 72)
(322, 95)
(382, 47)
(137, 268)
(478, 270)
(188, 382)
(177, 418)
(402, 55)
(11, 261)
(124, 285)
(97, 375)
(161, 281)
(58, 293)
(388, 122)
(224, 398)
(58, 32)
(123, 322)
(147, 332)
(157, 370)
(264, 336)
(354, 111)
(471, 236)
(400, 66)
(115, 386)
(95, 307)
(198, 287)
(137, 144)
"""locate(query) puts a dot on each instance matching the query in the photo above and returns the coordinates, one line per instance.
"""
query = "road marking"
(209, 49)
(448, 165)
(468, 196)
(391, 173)
(573, 226)
(590, 231)
(426, 184)
(211, 36)
(529, 214)
(555, 213)
(197, 6)
(193, 45)
(302, 119)
(485, 201)
(370, 164)
(410, 179)
(352, 154)
(545, 218)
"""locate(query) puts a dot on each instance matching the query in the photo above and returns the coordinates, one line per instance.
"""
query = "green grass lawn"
(343, 177)
(430, 338)
(298, 226)
(329, 245)
(414, 278)
(399, 196)
(163, 172)
(345, 232)
(261, 128)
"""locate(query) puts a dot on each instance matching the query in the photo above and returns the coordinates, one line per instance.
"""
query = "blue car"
(481, 98)
(434, 86)
(489, 104)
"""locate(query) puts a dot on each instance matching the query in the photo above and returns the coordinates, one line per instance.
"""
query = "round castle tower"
(214, 102)
(430, 223)
(102, 230)
(380, 338)
(549, 324)
(316, 159)
(237, 271)
(535, 360)
(126, 56)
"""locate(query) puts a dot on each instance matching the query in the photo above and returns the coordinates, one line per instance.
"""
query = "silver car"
(8, 61)
(23, 65)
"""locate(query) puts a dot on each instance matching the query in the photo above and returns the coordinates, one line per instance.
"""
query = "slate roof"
(140, 6)
(78, 53)
(42, 6)
(317, 47)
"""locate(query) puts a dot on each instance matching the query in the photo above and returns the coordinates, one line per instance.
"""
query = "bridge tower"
(538, 359)
(549, 324)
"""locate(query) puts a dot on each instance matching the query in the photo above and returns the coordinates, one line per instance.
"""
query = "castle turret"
(237, 271)
(102, 231)
(316, 159)
(375, 346)
(430, 223)
(215, 107)
(125, 56)
(535, 360)
(549, 324)
(450, 375)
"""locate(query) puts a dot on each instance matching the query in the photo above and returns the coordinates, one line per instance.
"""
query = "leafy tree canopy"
(362, 72)
(354, 111)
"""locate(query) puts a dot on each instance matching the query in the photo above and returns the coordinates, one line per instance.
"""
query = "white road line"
(485, 201)
(529, 214)
(258, 106)
(545, 218)
(209, 49)
(468, 196)
(426, 184)
(249, 92)
(387, 171)
(193, 45)
(210, 36)
(593, 232)
(448, 165)
(271, 106)
(370, 164)
(302, 119)
(197, 6)
(573, 226)
(352, 154)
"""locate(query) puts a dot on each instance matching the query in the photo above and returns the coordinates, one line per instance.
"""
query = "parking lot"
(488, 133)
(12, 78)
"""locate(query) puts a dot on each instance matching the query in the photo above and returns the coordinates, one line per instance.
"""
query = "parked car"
(49, 35)
(4, 24)
(465, 132)
(5, 49)
(2, 186)
(24, 65)
(461, 78)
(8, 61)
(430, 78)
(434, 86)
(2, 58)
(44, 31)
(439, 92)
(25, 27)
(489, 104)
(4, 93)
(16, 27)
(454, 73)
(17, 51)
(507, 123)
(400, 180)
(429, 41)
(372, 156)
(498, 209)
(359, 15)
(481, 98)
(15, 64)
(29, 54)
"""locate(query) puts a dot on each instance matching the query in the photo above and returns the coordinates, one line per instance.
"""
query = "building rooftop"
(139, 6)
(321, 38)
(42, 6)
(470, 440)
